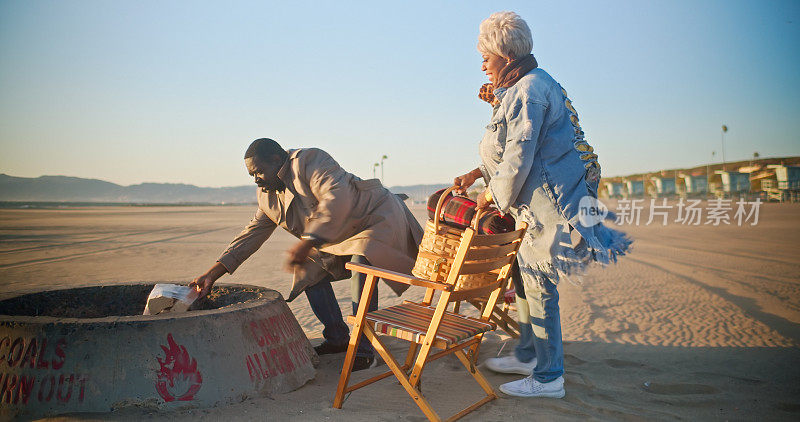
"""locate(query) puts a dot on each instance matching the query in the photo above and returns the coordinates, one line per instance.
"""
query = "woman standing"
(539, 168)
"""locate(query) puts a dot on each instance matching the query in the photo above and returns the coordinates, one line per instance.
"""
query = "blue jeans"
(326, 308)
(540, 328)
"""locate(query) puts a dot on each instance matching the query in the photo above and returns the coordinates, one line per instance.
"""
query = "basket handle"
(476, 221)
(439, 208)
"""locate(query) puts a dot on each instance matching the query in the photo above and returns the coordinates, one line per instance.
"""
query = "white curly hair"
(505, 34)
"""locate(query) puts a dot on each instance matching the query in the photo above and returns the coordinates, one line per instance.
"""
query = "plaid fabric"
(510, 296)
(458, 211)
(410, 321)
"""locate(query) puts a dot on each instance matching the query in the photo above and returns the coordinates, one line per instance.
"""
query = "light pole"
(374, 168)
(675, 180)
(708, 174)
(722, 137)
(383, 158)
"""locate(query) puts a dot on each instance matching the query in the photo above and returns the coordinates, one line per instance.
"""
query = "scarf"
(507, 77)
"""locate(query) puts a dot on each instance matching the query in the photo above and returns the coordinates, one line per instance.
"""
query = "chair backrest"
(485, 259)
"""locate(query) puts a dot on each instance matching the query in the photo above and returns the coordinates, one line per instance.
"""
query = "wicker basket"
(438, 249)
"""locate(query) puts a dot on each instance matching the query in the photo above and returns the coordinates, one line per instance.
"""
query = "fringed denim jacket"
(538, 166)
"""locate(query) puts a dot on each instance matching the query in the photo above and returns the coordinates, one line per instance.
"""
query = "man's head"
(263, 159)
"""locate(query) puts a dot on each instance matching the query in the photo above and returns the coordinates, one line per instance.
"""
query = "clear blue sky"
(174, 91)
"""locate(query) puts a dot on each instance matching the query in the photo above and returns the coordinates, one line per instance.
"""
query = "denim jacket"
(538, 166)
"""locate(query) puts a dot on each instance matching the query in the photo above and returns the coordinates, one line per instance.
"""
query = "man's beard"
(272, 186)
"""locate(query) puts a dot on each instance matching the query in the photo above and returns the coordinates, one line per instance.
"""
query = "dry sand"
(699, 322)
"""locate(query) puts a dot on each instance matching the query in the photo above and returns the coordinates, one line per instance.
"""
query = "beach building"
(785, 186)
(615, 189)
(734, 181)
(695, 184)
(762, 180)
(788, 177)
(635, 187)
(758, 173)
(664, 185)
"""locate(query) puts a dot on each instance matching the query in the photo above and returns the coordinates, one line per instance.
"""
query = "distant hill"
(418, 193)
(75, 189)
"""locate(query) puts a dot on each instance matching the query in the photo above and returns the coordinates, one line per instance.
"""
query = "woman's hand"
(484, 200)
(465, 181)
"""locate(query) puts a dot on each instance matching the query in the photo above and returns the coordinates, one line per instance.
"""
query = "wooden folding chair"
(426, 325)
(500, 314)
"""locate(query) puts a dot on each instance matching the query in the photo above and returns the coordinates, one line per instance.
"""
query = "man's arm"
(205, 282)
(245, 244)
(335, 194)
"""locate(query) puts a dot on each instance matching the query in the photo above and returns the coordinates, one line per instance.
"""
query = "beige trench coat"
(353, 216)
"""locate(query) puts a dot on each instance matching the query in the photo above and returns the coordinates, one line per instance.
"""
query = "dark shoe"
(327, 348)
(363, 362)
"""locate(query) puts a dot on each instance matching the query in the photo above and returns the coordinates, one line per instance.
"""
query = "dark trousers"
(326, 308)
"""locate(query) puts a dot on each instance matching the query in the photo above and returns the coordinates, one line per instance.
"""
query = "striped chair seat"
(410, 321)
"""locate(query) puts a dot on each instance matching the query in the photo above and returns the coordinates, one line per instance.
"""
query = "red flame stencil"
(178, 378)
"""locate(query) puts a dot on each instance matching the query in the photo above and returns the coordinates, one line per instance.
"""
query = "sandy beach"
(698, 322)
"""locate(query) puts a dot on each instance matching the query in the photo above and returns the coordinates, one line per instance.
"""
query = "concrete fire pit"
(91, 350)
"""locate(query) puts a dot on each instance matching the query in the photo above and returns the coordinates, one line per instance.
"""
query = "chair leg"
(513, 326)
(412, 353)
(506, 323)
(347, 368)
(410, 357)
(473, 370)
(501, 318)
(355, 336)
(500, 323)
(390, 361)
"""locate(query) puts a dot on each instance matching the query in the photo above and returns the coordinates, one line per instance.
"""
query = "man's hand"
(298, 254)
(483, 201)
(466, 180)
(206, 281)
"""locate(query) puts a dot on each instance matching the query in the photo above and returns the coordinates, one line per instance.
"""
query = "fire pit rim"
(44, 319)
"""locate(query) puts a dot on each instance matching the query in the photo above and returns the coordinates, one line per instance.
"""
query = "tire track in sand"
(83, 242)
(82, 254)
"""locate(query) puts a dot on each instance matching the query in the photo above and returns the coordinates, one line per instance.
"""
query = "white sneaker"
(510, 365)
(529, 387)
